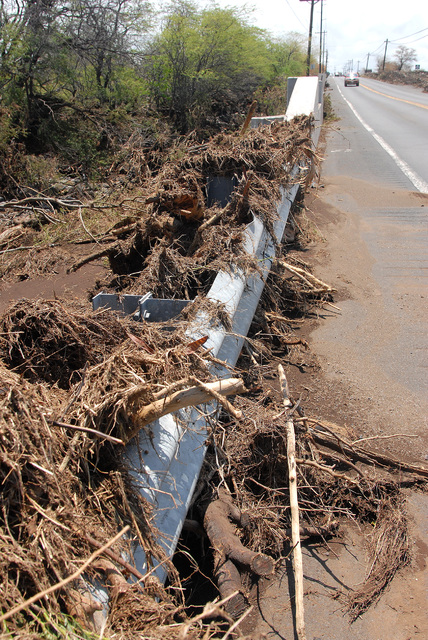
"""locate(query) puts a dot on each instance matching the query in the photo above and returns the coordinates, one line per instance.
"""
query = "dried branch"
(305, 276)
(329, 470)
(294, 506)
(94, 432)
(192, 396)
(367, 457)
(31, 200)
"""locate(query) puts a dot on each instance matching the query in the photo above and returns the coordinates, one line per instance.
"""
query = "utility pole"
(308, 60)
(367, 63)
(324, 59)
(320, 62)
(384, 57)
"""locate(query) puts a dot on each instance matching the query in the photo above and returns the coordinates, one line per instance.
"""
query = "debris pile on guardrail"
(73, 380)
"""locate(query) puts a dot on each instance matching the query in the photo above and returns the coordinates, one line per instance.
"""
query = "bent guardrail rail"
(167, 471)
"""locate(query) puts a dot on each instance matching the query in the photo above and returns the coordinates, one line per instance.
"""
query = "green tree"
(27, 41)
(288, 55)
(287, 58)
(105, 37)
(205, 62)
(59, 59)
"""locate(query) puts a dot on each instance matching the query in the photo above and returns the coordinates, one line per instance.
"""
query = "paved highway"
(397, 118)
(375, 176)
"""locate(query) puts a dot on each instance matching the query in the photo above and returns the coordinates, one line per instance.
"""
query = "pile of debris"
(76, 386)
(169, 234)
(415, 78)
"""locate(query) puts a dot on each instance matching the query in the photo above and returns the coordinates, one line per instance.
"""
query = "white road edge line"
(416, 180)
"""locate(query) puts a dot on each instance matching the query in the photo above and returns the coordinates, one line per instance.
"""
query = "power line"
(305, 26)
(413, 34)
(412, 41)
(379, 47)
(403, 38)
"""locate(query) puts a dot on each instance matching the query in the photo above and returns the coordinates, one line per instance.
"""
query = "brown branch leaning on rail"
(192, 396)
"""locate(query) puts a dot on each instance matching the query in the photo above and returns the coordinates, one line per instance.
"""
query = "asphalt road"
(386, 322)
(396, 117)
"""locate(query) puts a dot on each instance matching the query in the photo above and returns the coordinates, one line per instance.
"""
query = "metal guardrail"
(166, 466)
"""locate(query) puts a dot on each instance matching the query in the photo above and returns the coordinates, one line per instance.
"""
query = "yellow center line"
(415, 104)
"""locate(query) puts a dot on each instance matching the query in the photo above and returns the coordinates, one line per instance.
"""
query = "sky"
(353, 29)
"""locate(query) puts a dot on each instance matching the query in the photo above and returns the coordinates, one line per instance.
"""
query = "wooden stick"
(23, 248)
(294, 506)
(321, 467)
(115, 557)
(93, 432)
(85, 227)
(37, 199)
(249, 116)
(237, 623)
(393, 435)
(192, 396)
(62, 583)
(305, 275)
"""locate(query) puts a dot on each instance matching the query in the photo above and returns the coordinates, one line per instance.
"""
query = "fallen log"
(221, 533)
(193, 396)
(92, 257)
(229, 585)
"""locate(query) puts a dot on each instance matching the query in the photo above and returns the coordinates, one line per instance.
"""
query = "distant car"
(352, 80)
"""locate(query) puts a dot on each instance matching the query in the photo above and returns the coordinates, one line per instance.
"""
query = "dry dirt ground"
(371, 375)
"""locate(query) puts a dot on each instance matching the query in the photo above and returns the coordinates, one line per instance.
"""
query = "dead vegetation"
(415, 78)
(170, 234)
(65, 489)
(72, 383)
